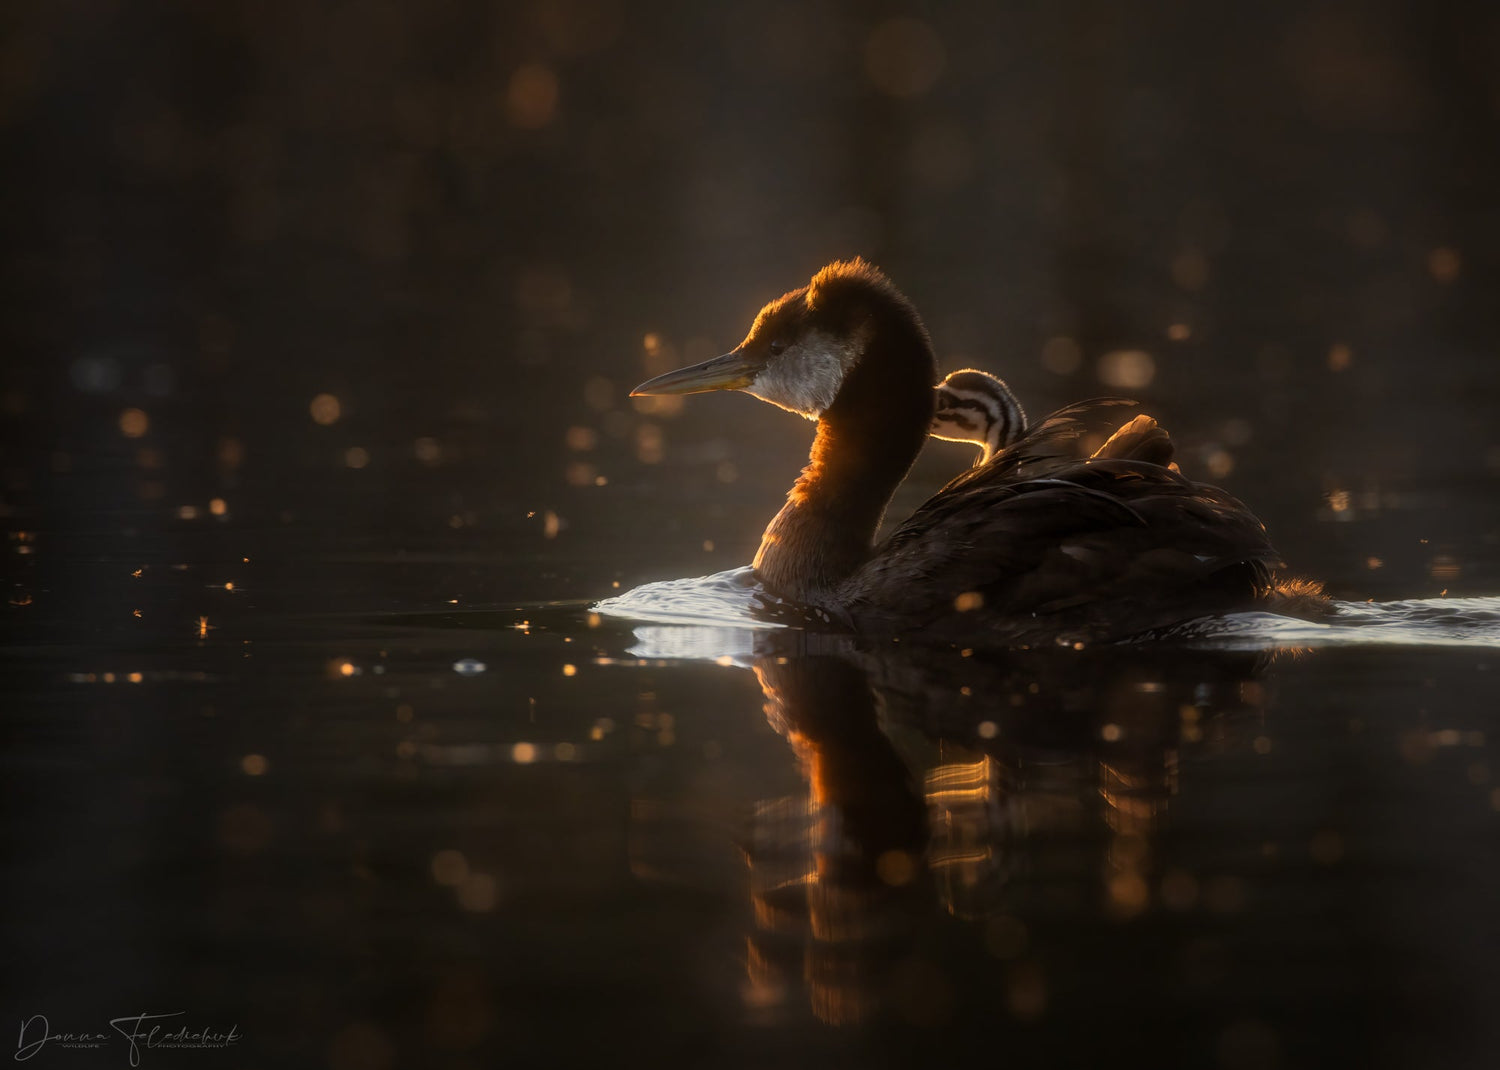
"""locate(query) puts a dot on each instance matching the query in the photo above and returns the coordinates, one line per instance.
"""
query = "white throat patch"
(806, 378)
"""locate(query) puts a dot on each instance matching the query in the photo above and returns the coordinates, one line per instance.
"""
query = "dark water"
(373, 815)
(318, 324)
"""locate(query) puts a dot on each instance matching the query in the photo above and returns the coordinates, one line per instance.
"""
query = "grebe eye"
(777, 347)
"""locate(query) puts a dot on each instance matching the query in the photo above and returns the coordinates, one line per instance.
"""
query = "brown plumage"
(1142, 439)
(1043, 546)
(1037, 545)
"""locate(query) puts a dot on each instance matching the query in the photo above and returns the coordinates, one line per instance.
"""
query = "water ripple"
(1409, 622)
(725, 599)
(718, 616)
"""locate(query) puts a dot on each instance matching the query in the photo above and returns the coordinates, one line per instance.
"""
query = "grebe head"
(804, 345)
(974, 406)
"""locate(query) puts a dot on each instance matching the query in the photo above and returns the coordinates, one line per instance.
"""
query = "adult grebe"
(1037, 545)
(975, 406)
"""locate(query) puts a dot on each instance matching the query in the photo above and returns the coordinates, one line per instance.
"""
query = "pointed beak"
(732, 371)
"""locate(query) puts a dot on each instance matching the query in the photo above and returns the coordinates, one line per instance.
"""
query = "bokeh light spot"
(1129, 369)
(968, 601)
(1128, 894)
(134, 423)
(428, 450)
(1061, 355)
(1445, 264)
(531, 99)
(325, 409)
(478, 893)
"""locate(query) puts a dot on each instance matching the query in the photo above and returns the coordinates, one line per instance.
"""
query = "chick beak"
(732, 371)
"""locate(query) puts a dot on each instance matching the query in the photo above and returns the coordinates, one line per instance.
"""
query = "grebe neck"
(866, 442)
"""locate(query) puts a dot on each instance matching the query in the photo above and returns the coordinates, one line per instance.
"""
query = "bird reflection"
(936, 781)
(833, 869)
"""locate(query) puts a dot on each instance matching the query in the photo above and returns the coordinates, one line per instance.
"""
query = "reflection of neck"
(825, 708)
(866, 847)
(866, 442)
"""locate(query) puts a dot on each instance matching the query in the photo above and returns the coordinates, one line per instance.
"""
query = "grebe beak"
(732, 371)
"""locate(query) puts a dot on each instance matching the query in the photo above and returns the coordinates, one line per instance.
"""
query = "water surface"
(368, 825)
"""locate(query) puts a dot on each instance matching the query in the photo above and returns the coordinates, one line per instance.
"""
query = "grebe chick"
(1036, 546)
(975, 406)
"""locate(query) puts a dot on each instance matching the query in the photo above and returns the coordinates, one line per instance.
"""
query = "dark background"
(464, 220)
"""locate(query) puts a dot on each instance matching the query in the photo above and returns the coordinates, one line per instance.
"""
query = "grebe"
(1035, 546)
(975, 406)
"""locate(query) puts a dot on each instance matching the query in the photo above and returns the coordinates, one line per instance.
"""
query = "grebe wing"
(1058, 436)
(1103, 548)
(1140, 439)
